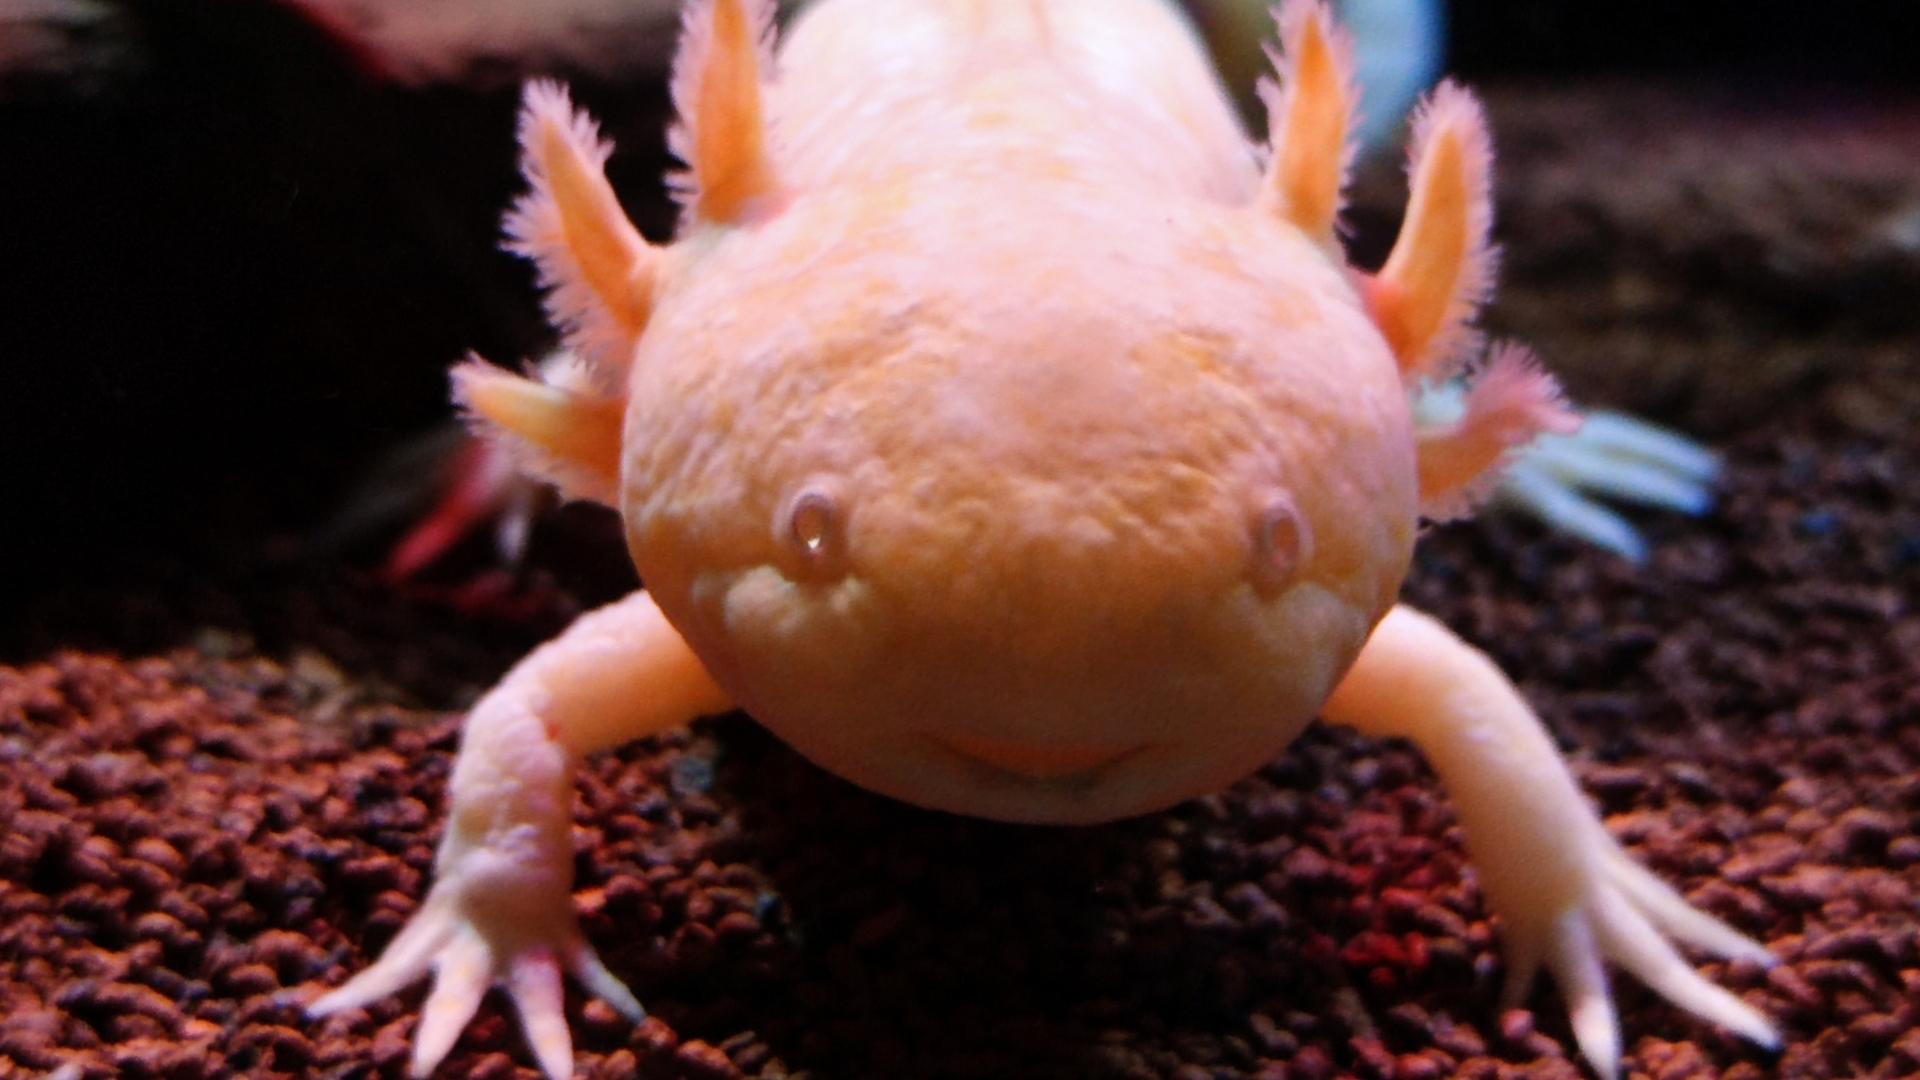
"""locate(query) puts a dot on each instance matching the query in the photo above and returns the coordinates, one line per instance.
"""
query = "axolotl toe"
(1008, 433)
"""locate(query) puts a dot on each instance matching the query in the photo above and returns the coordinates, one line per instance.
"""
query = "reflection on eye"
(814, 527)
(811, 518)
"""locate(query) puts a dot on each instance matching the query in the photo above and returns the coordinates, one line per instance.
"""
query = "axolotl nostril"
(1009, 434)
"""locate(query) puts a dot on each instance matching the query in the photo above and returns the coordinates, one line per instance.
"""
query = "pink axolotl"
(1009, 434)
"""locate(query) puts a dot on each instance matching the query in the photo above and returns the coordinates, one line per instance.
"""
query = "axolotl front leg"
(1569, 896)
(501, 909)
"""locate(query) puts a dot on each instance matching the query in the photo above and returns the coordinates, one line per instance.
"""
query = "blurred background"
(244, 239)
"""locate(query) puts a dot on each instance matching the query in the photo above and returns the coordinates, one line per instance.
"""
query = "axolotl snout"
(1009, 435)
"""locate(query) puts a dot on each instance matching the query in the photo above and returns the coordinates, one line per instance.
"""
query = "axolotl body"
(1008, 433)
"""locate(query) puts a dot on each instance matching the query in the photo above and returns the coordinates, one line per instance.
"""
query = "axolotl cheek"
(803, 621)
(1057, 707)
(990, 735)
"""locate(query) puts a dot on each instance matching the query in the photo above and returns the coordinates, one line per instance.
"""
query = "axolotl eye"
(1282, 544)
(812, 525)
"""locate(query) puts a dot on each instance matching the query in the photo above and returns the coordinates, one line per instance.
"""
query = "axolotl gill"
(1007, 432)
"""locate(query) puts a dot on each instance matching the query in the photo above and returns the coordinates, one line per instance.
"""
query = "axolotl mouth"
(1052, 765)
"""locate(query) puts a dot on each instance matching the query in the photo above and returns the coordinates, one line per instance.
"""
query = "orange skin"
(1000, 434)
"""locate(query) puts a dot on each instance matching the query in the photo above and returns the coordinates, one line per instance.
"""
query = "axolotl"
(1008, 433)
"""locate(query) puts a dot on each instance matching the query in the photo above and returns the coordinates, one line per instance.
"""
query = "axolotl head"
(1053, 500)
(1026, 517)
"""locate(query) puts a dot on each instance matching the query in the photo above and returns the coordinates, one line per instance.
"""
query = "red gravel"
(194, 845)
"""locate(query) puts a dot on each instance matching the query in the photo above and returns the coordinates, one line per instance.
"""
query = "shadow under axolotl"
(1321, 900)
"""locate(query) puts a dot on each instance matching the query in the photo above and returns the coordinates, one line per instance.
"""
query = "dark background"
(237, 267)
(1763, 41)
